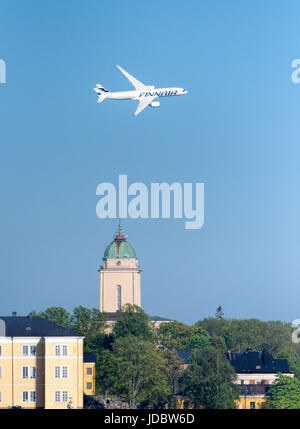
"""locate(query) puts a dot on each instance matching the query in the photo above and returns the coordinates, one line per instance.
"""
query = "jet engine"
(155, 104)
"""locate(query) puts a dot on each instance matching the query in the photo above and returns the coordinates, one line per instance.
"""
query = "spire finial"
(120, 234)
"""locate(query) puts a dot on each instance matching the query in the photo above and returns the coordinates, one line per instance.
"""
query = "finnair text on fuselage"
(136, 95)
(163, 92)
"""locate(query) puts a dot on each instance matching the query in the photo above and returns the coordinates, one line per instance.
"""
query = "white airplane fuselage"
(144, 94)
(137, 95)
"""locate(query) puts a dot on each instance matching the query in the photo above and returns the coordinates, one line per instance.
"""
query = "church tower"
(120, 275)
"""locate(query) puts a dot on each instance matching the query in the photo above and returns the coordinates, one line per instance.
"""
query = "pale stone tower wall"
(120, 276)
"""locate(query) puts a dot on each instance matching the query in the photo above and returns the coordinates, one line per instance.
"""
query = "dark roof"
(89, 357)
(160, 319)
(112, 317)
(185, 354)
(31, 326)
(256, 362)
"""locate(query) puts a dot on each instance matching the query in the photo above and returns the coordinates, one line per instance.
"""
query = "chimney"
(14, 313)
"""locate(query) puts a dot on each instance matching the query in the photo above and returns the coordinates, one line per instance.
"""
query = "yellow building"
(89, 361)
(256, 373)
(41, 364)
(252, 397)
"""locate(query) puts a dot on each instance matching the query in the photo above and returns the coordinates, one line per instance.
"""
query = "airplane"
(144, 94)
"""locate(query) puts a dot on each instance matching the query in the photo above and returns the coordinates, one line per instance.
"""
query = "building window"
(65, 372)
(32, 372)
(0, 396)
(0, 350)
(25, 372)
(89, 386)
(252, 405)
(61, 350)
(28, 370)
(25, 396)
(61, 396)
(89, 371)
(0, 372)
(61, 371)
(25, 350)
(119, 293)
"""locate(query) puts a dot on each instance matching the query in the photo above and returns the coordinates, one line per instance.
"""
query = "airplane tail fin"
(101, 91)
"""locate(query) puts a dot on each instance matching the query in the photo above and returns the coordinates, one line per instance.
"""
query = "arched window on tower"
(119, 297)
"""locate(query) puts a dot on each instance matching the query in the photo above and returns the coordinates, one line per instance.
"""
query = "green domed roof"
(119, 248)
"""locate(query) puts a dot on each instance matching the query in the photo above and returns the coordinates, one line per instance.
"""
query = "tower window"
(119, 292)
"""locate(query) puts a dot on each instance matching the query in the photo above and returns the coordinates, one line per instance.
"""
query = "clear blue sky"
(237, 131)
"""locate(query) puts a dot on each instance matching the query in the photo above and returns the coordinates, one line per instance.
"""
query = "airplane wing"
(139, 86)
(144, 102)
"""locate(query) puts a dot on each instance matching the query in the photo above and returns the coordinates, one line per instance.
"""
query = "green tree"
(88, 322)
(57, 315)
(239, 335)
(107, 373)
(180, 336)
(91, 323)
(293, 360)
(137, 371)
(174, 371)
(209, 380)
(215, 327)
(256, 334)
(276, 336)
(285, 394)
(173, 334)
(219, 313)
(198, 338)
(133, 321)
